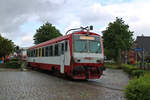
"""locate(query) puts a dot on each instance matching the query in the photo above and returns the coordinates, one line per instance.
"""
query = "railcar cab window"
(80, 46)
(95, 47)
(66, 45)
(90, 44)
(62, 48)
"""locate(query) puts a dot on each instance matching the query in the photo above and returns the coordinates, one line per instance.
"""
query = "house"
(144, 42)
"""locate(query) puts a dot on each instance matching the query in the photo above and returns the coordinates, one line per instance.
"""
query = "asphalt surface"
(39, 85)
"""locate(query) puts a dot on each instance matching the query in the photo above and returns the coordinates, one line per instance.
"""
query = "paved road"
(35, 85)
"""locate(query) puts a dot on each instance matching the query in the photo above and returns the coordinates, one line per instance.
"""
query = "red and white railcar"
(79, 55)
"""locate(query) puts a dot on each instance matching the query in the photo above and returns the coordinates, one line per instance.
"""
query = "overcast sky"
(19, 19)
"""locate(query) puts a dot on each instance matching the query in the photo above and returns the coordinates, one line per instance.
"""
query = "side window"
(66, 45)
(50, 50)
(34, 53)
(56, 50)
(31, 53)
(42, 52)
(28, 53)
(46, 51)
(62, 48)
(37, 52)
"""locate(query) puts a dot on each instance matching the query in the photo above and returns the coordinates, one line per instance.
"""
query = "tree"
(117, 37)
(46, 32)
(6, 47)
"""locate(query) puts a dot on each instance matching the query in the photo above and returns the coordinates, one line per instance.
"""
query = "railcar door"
(62, 57)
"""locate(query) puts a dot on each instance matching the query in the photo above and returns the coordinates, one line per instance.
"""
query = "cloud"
(134, 13)
(20, 18)
(27, 38)
(18, 12)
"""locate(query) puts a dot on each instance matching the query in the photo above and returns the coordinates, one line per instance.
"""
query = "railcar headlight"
(78, 60)
(98, 61)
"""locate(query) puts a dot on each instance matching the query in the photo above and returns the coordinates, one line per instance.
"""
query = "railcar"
(79, 55)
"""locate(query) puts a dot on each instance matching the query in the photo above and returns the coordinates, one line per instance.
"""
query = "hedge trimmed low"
(139, 73)
(13, 63)
(139, 88)
(129, 68)
(112, 66)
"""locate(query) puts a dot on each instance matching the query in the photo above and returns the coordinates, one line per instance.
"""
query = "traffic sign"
(138, 49)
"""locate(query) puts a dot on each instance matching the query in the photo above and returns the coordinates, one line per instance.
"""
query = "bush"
(138, 89)
(138, 73)
(129, 68)
(14, 59)
(112, 66)
(13, 63)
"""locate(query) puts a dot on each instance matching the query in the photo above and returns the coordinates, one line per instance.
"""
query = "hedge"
(13, 63)
(112, 66)
(129, 68)
(134, 71)
(138, 89)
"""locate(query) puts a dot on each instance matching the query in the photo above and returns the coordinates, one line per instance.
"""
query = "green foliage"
(46, 32)
(129, 68)
(133, 70)
(138, 89)
(6, 46)
(13, 63)
(22, 65)
(138, 73)
(109, 53)
(112, 66)
(117, 37)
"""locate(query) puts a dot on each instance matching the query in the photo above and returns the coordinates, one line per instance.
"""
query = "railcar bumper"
(87, 72)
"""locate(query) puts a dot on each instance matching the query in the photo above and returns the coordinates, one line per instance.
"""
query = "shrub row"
(129, 68)
(112, 66)
(139, 88)
(13, 63)
(133, 71)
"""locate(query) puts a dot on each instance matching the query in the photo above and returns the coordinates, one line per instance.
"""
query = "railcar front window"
(95, 46)
(80, 46)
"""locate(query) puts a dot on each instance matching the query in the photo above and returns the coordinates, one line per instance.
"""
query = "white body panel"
(62, 61)
(56, 60)
(82, 57)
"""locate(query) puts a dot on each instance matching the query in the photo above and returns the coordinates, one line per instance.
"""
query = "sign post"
(140, 50)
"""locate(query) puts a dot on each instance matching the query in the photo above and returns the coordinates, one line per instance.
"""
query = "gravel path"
(35, 85)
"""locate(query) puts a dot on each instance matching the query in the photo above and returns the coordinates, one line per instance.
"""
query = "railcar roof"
(60, 39)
